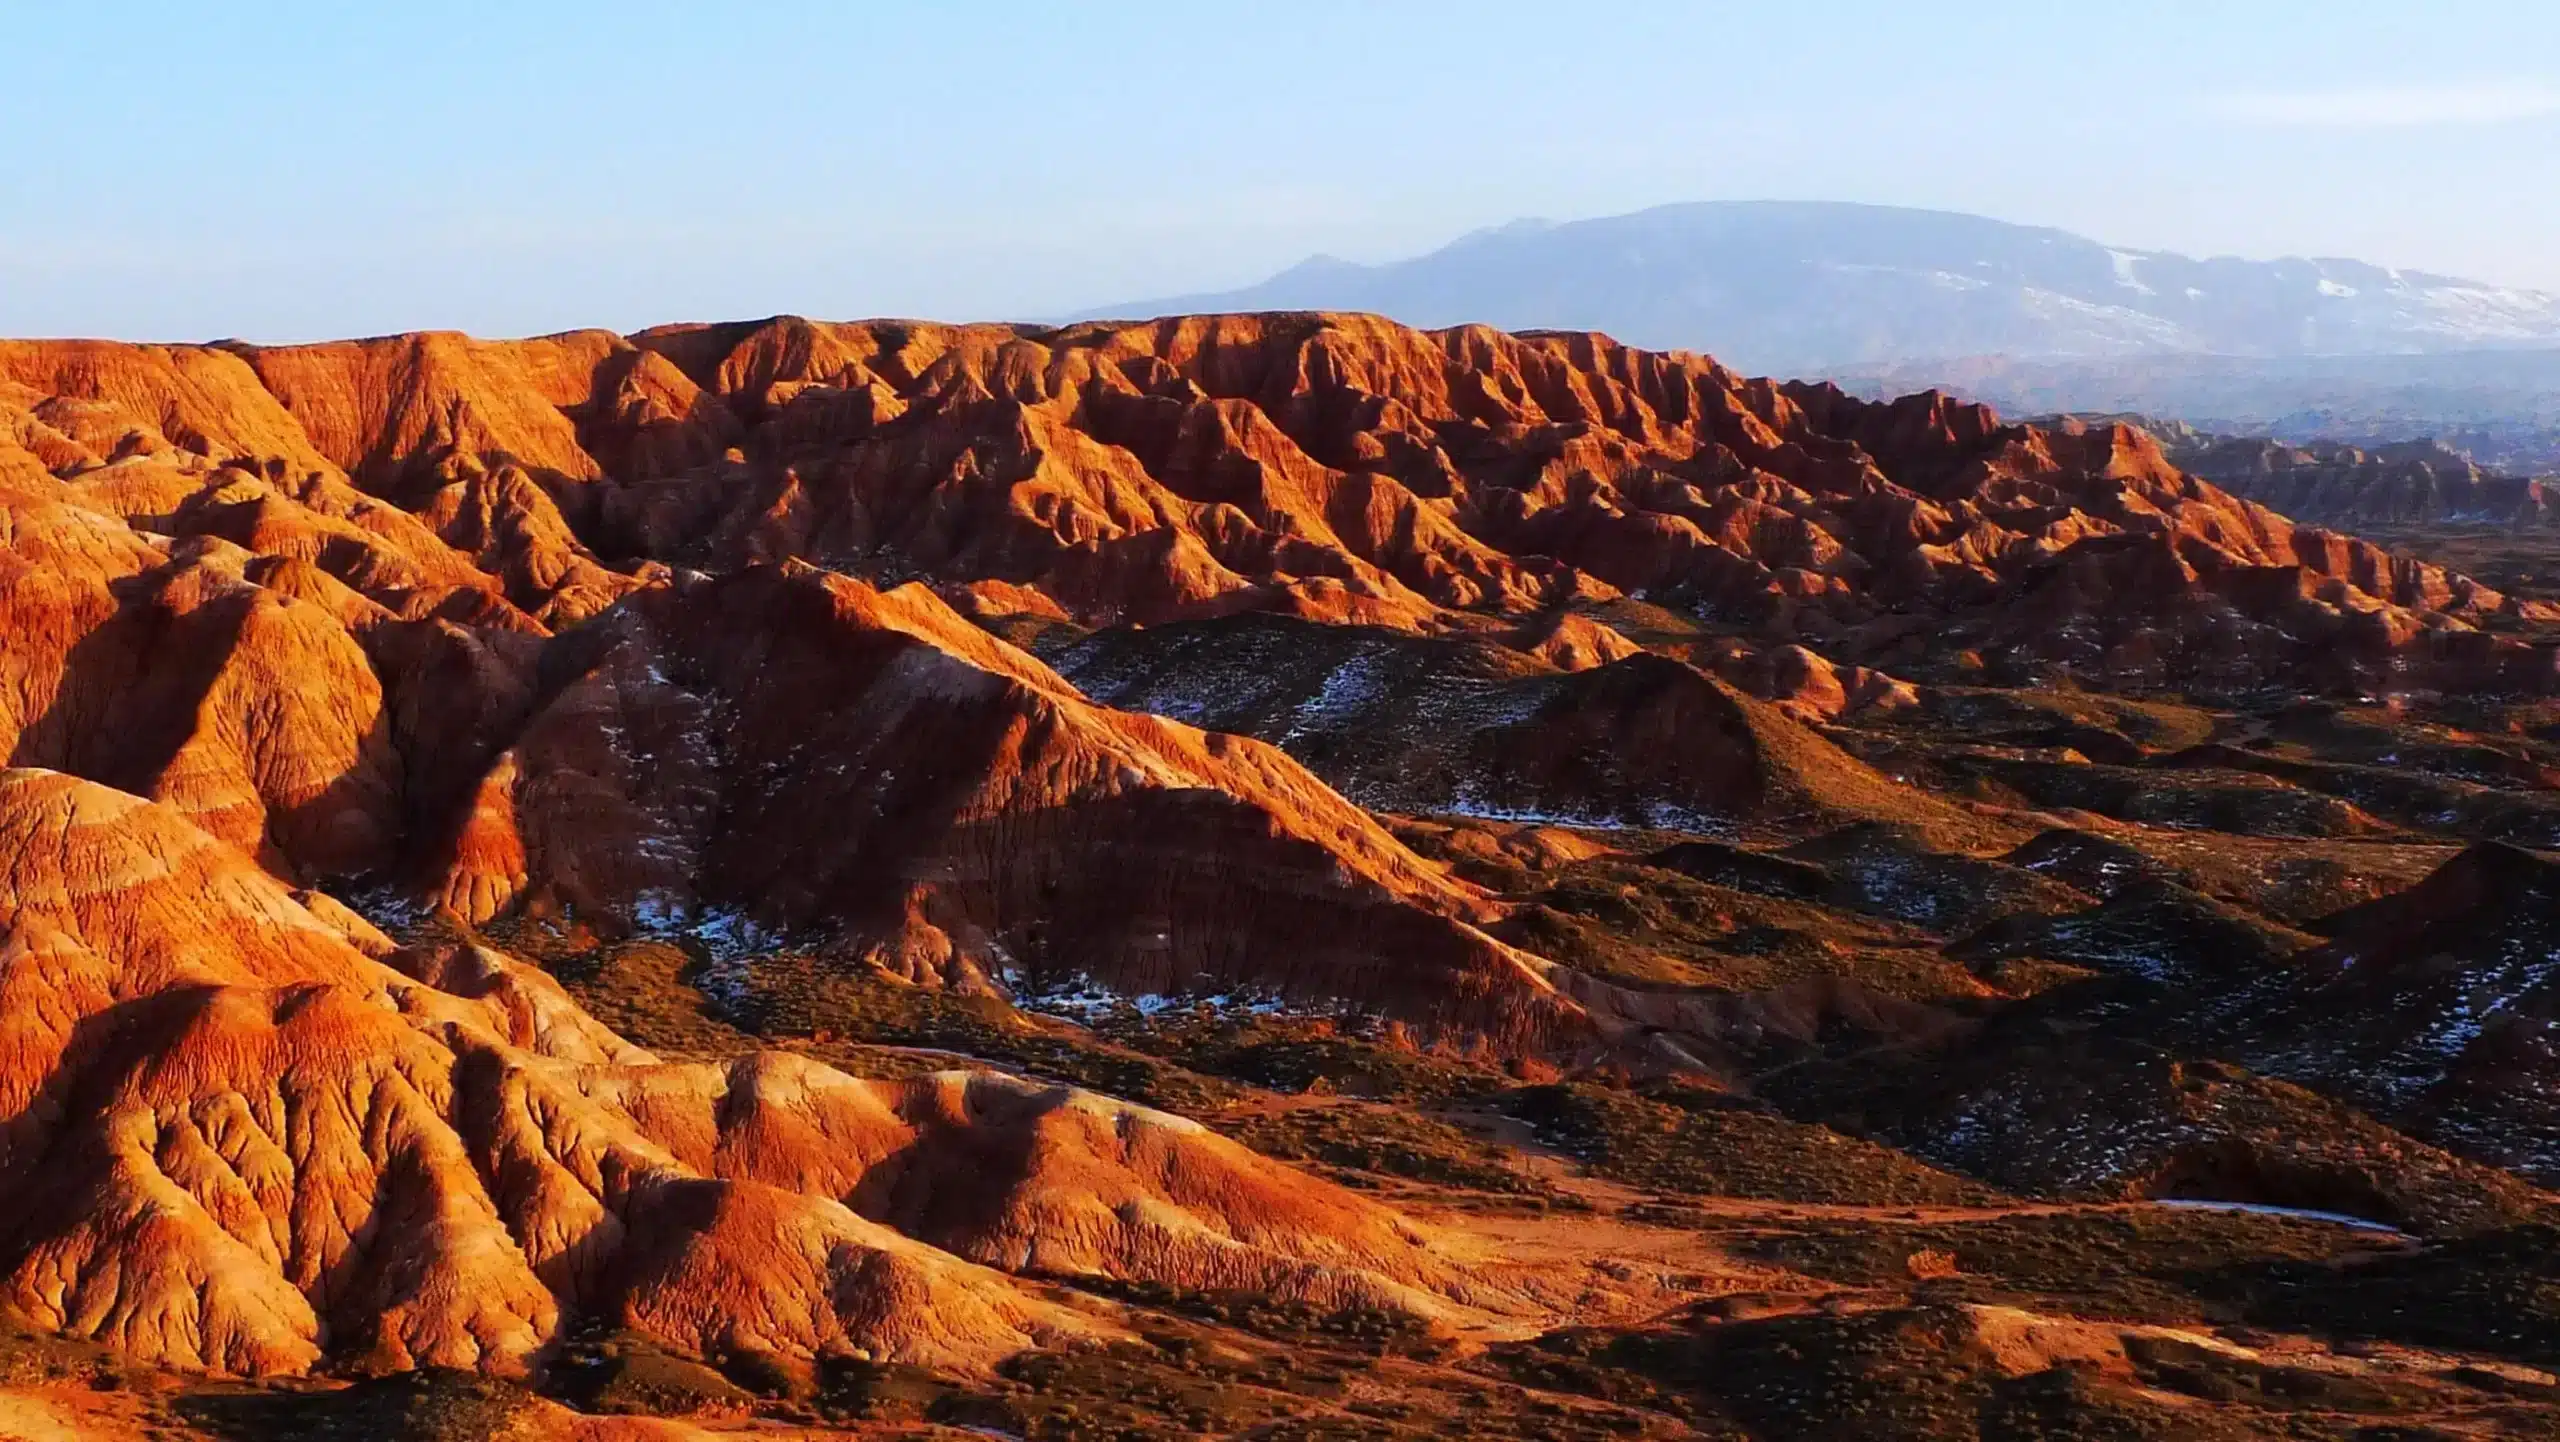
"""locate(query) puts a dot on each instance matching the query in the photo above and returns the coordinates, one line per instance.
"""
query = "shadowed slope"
(241, 1142)
(787, 750)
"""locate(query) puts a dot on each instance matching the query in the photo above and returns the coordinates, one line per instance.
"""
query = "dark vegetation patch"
(1131, 1392)
(1389, 1142)
(2153, 929)
(1184, 1380)
(1903, 1375)
(2099, 865)
(1649, 925)
(1894, 872)
(1177, 1382)
(30, 1356)
(1682, 1140)
(2218, 1376)
(432, 1405)
(642, 989)
(1364, 1331)
(1978, 711)
(1339, 1056)
(631, 1374)
(663, 995)
(2142, 1264)
(2500, 808)
(2081, 1092)
(1742, 869)
(795, 995)
(1890, 872)
(2240, 802)
(2289, 880)
(2497, 1292)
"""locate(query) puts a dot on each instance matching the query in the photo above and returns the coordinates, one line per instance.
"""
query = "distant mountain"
(2501, 407)
(1794, 288)
(2407, 483)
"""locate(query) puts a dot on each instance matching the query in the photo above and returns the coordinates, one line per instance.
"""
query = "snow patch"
(1085, 999)
(727, 933)
(659, 911)
(2261, 1209)
(390, 910)
(1349, 689)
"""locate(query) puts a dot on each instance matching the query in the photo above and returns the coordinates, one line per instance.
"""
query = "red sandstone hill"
(1338, 467)
(245, 1133)
(789, 752)
(427, 610)
(1468, 724)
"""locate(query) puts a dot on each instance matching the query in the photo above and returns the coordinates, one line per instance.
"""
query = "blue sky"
(293, 170)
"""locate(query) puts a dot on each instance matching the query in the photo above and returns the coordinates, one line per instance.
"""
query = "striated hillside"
(2419, 483)
(1337, 468)
(1270, 875)
(294, 1142)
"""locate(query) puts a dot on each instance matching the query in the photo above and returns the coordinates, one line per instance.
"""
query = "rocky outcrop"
(1461, 725)
(425, 609)
(2334, 484)
(1337, 468)
(160, 667)
(244, 1135)
(792, 752)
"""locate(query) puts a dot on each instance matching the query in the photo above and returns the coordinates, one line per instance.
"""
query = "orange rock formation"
(245, 1134)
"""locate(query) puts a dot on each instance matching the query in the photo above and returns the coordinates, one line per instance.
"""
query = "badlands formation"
(1239, 875)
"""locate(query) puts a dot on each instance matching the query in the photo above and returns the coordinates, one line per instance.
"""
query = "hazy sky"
(293, 170)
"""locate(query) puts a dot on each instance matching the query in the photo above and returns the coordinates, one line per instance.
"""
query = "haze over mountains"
(1794, 288)
(2501, 407)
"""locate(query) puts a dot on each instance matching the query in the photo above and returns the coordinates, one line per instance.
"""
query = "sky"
(283, 171)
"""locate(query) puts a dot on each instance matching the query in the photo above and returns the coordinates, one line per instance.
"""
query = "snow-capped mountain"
(1795, 287)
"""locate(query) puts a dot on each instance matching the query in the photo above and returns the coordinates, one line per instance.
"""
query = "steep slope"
(1464, 725)
(788, 751)
(1331, 467)
(161, 668)
(249, 1136)
(2438, 1007)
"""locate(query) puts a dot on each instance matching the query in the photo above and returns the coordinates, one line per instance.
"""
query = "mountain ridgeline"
(1796, 288)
